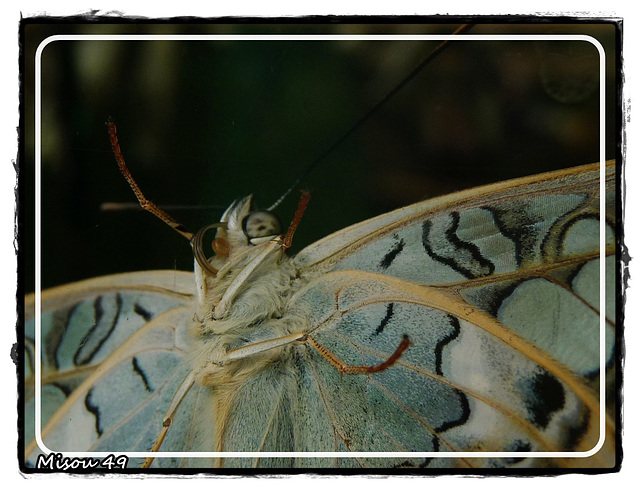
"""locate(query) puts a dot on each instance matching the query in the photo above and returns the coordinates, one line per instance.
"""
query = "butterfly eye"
(261, 224)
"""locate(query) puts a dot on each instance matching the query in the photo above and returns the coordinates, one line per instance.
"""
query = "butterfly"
(493, 295)
(448, 326)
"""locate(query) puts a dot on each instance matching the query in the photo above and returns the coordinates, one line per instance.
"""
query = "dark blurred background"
(203, 123)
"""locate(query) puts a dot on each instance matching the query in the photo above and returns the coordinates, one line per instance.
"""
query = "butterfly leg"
(257, 347)
(167, 420)
(349, 369)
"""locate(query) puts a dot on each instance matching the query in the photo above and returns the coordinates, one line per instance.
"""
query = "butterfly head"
(247, 225)
(241, 227)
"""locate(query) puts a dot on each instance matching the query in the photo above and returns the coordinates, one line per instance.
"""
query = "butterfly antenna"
(147, 205)
(302, 206)
(430, 57)
(127, 206)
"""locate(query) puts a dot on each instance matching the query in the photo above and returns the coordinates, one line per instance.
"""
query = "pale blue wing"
(493, 230)
(113, 350)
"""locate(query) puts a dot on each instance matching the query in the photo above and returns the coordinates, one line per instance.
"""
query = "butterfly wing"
(112, 357)
(498, 290)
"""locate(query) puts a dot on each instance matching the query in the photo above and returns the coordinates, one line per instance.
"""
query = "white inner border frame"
(267, 37)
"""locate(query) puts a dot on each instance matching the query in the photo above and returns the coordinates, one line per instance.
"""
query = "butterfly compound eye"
(261, 224)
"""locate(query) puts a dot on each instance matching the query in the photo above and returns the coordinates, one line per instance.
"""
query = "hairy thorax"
(255, 315)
